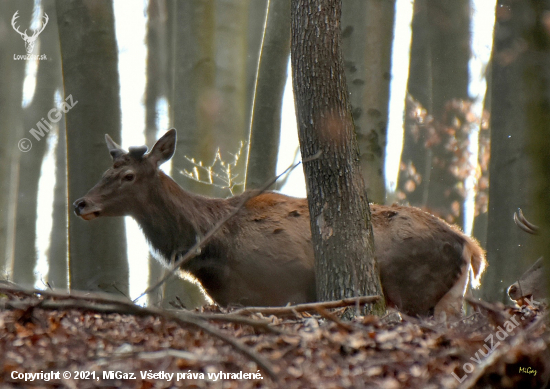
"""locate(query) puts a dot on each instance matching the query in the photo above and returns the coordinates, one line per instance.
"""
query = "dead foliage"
(57, 332)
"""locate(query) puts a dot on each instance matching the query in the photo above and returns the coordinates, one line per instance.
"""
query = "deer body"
(263, 255)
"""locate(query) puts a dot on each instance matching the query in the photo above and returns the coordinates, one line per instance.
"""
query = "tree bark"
(97, 250)
(342, 235)
(266, 117)
(509, 169)
(48, 80)
(367, 46)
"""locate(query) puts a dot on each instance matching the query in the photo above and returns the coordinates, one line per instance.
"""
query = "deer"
(532, 284)
(263, 255)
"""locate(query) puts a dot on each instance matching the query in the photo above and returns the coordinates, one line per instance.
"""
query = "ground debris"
(306, 350)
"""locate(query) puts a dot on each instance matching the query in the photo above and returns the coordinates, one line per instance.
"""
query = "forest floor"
(87, 341)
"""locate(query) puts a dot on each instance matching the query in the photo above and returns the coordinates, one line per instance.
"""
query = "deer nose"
(79, 205)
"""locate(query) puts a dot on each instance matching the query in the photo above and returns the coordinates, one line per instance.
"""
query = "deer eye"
(129, 177)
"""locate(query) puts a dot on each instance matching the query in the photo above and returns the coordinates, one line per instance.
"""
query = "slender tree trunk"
(537, 82)
(11, 124)
(97, 249)
(257, 10)
(368, 36)
(266, 116)
(509, 169)
(340, 217)
(57, 253)
(48, 81)
(194, 101)
(231, 53)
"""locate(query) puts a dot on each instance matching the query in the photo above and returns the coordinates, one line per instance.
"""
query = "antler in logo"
(29, 40)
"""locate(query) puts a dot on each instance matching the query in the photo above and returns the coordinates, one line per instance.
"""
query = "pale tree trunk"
(11, 124)
(450, 56)
(48, 81)
(537, 82)
(193, 109)
(194, 103)
(157, 87)
(231, 53)
(97, 249)
(256, 22)
(509, 167)
(367, 43)
(340, 217)
(57, 253)
(266, 117)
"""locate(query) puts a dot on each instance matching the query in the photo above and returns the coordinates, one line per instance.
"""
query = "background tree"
(11, 123)
(509, 186)
(271, 79)
(48, 81)
(435, 159)
(97, 250)
(537, 82)
(340, 217)
(367, 45)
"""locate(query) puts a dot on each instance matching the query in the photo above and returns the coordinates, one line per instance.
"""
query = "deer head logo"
(29, 40)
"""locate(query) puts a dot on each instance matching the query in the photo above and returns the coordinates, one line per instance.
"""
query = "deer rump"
(423, 261)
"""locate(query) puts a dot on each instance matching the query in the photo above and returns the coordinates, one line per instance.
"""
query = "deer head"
(127, 181)
(29, 40)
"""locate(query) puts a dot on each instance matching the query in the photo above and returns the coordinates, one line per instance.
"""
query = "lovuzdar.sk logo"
(29, 40)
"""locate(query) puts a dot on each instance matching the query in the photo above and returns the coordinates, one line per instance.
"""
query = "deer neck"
(174, 219)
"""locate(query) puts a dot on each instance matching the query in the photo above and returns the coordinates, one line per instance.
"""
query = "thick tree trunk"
(367, 45)
(509, 168)
(266, 117)
(48, 80)
(97, 250)
(340, 217)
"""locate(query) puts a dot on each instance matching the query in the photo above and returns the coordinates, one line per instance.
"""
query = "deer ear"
(114, 149)
(164, 149)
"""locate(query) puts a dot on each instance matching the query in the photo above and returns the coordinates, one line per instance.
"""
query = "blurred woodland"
(216, 69)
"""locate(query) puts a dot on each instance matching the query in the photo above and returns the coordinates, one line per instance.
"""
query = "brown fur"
(264, 254)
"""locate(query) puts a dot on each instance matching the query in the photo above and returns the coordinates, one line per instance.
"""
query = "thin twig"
(329, 316)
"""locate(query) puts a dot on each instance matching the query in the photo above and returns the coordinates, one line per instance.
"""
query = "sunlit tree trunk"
(48, 81)
(97, 249)
(266, 116)
(340, 217)
(367, 44)
(11, 124)
(509, 168)
(57, 253)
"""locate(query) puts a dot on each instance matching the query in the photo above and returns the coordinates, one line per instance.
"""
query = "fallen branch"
(116, 305)
(311, 307)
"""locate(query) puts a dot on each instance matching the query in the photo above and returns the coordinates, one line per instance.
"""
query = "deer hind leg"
(450, 305)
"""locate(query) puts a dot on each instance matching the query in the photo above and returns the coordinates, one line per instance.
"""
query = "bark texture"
(97, 251)
(340, 217)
